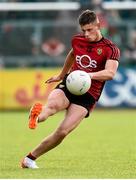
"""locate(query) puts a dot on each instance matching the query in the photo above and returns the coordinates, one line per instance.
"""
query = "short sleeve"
(113, 52)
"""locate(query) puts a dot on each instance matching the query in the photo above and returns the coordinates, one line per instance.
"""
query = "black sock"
(31, 156)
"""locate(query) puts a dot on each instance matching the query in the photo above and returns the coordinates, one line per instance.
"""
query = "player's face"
(91, 31)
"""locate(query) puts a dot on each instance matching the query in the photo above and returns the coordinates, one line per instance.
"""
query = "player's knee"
(54, 105)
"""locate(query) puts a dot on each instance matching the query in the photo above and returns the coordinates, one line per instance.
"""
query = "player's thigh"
(58, 97)
(74, 115)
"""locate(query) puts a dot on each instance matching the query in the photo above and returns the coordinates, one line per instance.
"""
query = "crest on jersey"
(99, 51)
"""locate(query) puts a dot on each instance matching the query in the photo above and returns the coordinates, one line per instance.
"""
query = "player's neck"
(99, 37)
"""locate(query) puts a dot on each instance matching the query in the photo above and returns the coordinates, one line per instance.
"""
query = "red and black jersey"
(92, 57)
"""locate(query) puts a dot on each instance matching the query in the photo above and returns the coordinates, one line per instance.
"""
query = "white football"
(78, 82)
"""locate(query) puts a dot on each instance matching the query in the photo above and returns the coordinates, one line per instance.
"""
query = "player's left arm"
(108, 73)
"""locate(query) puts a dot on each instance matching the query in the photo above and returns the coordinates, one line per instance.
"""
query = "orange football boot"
(33, 116)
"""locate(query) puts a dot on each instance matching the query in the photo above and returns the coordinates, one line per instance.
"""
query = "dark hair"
(87, 17)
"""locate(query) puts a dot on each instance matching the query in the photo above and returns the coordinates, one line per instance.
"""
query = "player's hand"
(54, 79)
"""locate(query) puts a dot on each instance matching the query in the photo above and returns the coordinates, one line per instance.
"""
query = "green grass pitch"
(103, 146)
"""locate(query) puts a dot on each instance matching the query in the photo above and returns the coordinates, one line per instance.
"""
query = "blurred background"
(35, 38)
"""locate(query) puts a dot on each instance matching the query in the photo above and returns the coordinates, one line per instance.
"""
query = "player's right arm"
(108, 73)
(112, 54)
(66, 67)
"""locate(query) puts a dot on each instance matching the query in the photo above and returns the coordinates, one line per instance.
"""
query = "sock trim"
(31, 156)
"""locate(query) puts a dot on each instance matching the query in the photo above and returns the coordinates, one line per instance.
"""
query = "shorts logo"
(61, 86)
(85, 61)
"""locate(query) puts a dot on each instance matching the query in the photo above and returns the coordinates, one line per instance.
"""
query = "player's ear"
(98, 25)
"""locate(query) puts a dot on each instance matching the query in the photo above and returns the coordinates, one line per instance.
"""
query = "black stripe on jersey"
(115, 52)
(112, 48)
(107, 43)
